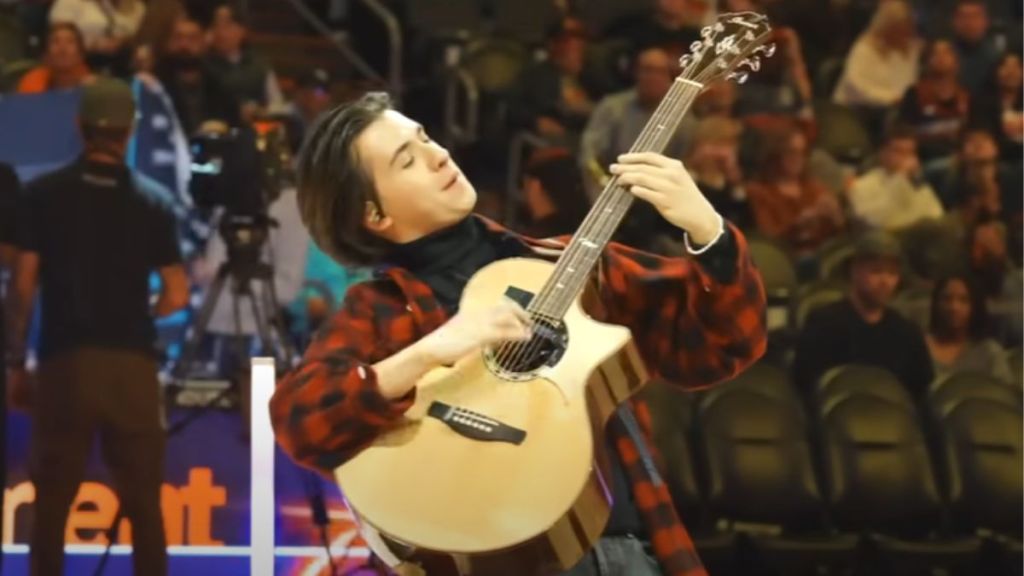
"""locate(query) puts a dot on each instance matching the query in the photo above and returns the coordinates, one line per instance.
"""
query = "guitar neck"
(583, 251)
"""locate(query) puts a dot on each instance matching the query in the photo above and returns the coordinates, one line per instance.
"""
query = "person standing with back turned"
(90, 240)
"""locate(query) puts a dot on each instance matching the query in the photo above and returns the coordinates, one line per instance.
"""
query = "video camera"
(242, 172)
(239, 169)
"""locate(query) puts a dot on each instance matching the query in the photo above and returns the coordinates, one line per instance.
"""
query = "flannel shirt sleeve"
(329, 407)
(696, 320)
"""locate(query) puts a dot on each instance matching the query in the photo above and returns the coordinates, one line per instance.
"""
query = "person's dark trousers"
(116, 394)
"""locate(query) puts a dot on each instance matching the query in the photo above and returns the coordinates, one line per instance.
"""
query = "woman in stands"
(787, 202)
(882, 64)
(937, 106)
(63, 63)
(1001, 106)
(958, 331)
(108, 28)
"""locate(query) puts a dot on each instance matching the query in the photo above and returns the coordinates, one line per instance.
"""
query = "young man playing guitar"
(375, 190)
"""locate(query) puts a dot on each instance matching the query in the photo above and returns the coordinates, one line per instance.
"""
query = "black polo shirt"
(98, 239)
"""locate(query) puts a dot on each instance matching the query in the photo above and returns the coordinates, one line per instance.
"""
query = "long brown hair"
(333, 186)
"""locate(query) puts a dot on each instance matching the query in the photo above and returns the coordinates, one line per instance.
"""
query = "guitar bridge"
(475, 425)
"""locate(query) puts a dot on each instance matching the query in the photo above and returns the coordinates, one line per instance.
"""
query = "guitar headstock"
(729, 49)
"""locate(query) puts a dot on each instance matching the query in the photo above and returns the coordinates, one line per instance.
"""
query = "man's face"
(955, 305)
(970, 22)
(653, 75)
(943, 59)
(226, 35)
(875, 280)
(718, 99)
(420, 188)
(62, 52)
(313, 101)
(186, 39)
(568, 54)
(898, 154)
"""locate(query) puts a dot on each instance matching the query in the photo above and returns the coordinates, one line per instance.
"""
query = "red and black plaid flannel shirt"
(693, 328)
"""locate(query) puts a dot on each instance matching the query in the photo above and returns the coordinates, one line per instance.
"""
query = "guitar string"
(600, 222)
(510, 353)
(619, 199)
(625, 197)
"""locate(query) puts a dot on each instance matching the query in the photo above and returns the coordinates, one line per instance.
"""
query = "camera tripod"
(240, 272)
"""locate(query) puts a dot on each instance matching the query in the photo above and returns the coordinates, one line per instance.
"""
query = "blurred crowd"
(873, 115)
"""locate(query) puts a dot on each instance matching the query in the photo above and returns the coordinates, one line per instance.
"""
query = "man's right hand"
(469, 331)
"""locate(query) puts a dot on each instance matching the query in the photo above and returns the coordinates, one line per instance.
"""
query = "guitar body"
(530, 502)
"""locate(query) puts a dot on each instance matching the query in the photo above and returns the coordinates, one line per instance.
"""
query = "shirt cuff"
(719, 258)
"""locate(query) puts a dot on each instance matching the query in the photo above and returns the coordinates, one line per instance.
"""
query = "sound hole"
(519, 360)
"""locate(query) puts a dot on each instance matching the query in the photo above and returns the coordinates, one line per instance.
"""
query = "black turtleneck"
(445, 260)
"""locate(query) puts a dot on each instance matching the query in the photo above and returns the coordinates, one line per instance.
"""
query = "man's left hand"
(667, 185)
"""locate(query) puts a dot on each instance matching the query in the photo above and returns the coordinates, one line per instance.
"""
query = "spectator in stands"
(197, 93)
(246, 76)
(981, 201)
(780, 89)
(154, 31)
(979, 50)
(717, 99)
(998, 278)
(108, 27)
(958, 331)
(787, 202)
(551, 98)
(937, 106)
(977, 159)
(312, 98)
(619, 118)
(894, 194)
(713, 161)
(90, 242)
(672, 25)
(63, 63)
(553, 195)
(882, 64)
(1000, 107)
(862, 328)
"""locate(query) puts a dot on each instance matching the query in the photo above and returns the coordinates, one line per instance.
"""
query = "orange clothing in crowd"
(40, 79)
(783, 217)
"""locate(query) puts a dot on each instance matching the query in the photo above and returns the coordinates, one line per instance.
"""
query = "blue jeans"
(617, 556)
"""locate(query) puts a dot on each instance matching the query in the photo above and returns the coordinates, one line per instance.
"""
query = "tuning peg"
(768, 50)
(754, 63)
(685, 62)
(739, 77)
(707, 32)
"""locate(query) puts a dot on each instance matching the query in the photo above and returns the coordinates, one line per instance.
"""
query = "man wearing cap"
(862, 329)
(311, 99)
(89, 240)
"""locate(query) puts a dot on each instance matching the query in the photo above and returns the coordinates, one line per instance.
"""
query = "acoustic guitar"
(498, 467)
